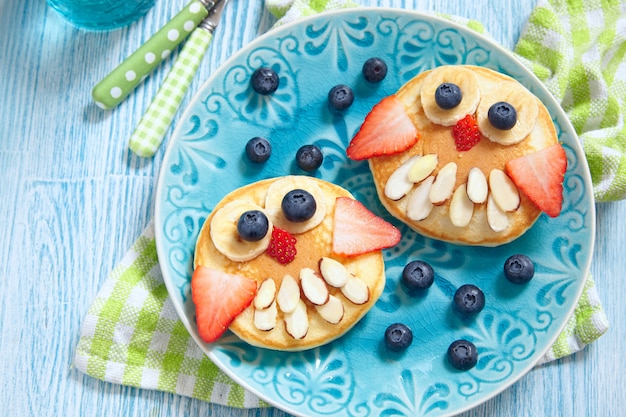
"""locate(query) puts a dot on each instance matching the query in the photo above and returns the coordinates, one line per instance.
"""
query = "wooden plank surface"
(73, 199)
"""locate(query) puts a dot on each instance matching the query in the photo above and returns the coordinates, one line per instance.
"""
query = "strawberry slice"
(539, 176)
(219, 298)
(386, 130)
(357, 230)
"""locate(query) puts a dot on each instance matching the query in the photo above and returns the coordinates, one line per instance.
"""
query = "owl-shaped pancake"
(463, 154)
(288, 263)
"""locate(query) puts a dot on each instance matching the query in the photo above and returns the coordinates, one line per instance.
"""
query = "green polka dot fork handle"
(110, 92)
(151, 129)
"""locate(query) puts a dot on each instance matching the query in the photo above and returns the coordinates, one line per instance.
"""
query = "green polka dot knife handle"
(150, 131)
(109, 92)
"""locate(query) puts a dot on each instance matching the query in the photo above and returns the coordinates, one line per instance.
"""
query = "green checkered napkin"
(132, 335)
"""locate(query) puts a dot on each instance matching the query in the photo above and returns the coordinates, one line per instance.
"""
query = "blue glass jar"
(101, 14)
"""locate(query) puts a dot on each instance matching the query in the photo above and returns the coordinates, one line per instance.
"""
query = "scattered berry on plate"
(356, 230)
(374, 70)
(417, 275)
(398, 337)
(340, 97)
(264, 81)
(466, 134)
(519, 269)
(502, 115)
(219, 298)
(298, 205)
(539, 175)
(282, 246)
(258, 149)
(462, 354)
(309, 157)
(253, 225)
(469, 299)
(448, 96)
(386, 130)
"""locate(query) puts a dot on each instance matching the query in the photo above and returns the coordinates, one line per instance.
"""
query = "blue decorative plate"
(355, 375)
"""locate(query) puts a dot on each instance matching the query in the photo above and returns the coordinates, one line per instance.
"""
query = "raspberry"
(282, 246)
(466, 133)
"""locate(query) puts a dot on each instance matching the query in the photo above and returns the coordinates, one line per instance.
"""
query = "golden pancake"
(314, 242)
(488, 220)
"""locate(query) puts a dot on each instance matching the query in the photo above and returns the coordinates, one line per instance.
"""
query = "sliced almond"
(288, 295)
(477, 188)
(496, 217)
(297, 322)
(461, 207)
(419, 206)
(332, 311)
(443, 185)
(265, 295)
(313, 286)
(398, 184)
(503, 190)
(423, 167)
(334, 273)
(356, 290)
(265, 319)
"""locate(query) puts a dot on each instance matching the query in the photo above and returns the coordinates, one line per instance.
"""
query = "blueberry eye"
(502, 115)
(448, 96)
(298, 205)
(253, 225)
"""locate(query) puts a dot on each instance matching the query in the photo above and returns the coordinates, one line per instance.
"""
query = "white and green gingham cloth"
(132, 335)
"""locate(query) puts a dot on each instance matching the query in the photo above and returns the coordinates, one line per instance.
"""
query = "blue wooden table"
(73, 199)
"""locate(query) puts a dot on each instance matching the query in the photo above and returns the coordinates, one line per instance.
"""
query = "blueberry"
(298, 205)
(258, 149)
(502, 115)
(462, 354)
(264, 81)
(252, 225)
(398, 337)
(448, 96)
(340, 97)
(309, 157)
(374, 70)
(469, 299)
(417, 275)
(519, 269)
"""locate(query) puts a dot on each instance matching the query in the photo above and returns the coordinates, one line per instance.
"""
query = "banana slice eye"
(226, 235)
(300, 188)
(443, 82)
(496, 109)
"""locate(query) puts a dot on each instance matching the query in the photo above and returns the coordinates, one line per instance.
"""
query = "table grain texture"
(73, 199)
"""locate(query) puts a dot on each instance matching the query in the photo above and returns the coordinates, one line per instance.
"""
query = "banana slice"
(226, 238)
(525, 105)
(274, 199)
(465, 79)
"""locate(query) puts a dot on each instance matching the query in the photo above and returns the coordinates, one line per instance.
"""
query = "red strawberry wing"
(219, 298)
(539, 176)
(386, 130)
(357, 230)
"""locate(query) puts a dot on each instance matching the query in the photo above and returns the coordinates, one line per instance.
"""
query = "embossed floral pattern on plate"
(356, 375)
